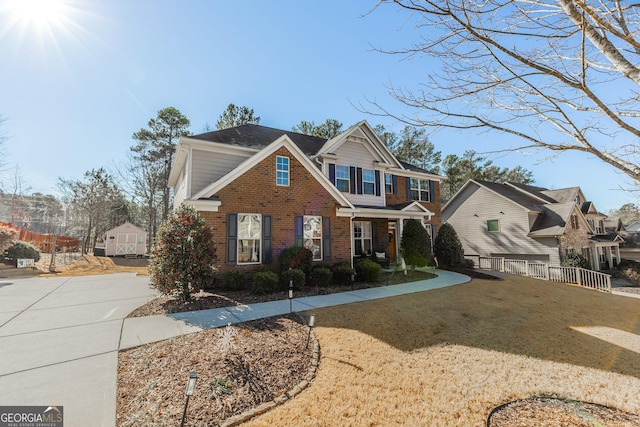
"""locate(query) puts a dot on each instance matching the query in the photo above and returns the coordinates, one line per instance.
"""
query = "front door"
(392, 246)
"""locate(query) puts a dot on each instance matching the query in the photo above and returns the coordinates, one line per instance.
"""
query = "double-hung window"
(342, 178)
(388, 183)
(312, 235)
(362, 238)
(282, 171)
(368, 181)
(420, 189)
(249, 237)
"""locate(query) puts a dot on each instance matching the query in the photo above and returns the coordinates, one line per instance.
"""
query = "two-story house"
(519, 221)
(263, 190)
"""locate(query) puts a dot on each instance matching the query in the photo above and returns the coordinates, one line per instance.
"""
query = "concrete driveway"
(59, 341)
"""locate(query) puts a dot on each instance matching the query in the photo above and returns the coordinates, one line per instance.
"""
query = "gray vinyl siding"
(355, 154)
(469, 215)
(208, 167)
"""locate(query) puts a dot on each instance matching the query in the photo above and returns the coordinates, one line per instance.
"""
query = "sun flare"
(39, 14)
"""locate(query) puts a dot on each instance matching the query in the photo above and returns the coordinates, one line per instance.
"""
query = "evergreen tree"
(183, 257)
(447, 247)
(416, 244)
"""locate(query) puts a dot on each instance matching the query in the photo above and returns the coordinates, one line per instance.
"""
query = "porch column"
(595, 259)
(618, 254)
(609, 257)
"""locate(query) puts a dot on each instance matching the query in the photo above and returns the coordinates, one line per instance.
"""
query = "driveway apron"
(59, 340)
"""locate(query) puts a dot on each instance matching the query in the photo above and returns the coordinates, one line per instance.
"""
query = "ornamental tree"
(447, 247)
(183, 257)
(416, 244)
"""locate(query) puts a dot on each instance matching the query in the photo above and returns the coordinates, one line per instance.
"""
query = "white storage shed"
(126, 239)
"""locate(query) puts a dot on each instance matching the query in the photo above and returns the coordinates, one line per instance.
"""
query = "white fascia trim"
(381, 213)
(283, 141)
(203, 205)
(218, 147)
(418, 205)
(414, 174)
(179, 162)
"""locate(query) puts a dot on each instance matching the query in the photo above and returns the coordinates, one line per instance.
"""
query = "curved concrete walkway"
(143, 330)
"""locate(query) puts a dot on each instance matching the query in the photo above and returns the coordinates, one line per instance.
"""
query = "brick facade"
(256, 192)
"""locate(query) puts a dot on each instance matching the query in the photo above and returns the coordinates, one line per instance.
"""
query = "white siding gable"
(469, 219)
(357, 154)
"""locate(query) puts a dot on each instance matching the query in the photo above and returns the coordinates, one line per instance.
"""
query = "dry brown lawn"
(447, 357)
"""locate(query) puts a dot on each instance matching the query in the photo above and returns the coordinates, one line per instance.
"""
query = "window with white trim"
(362, 238)
(249, 238)
(312, 235)
(342, 178)
(368, 181)
(282, 171)
(388, 183)
(493, 225)
(419, 189)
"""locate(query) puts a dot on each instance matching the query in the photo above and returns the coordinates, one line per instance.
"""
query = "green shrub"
(342, 273)
(368, 271)
(19, 249)
(321, 277)
(296, 257)
(234, 280)
(415, 245)
(468, 263)
(298, 277)
(447, 247)
(183, 257)
(264, 282)
(574, 259)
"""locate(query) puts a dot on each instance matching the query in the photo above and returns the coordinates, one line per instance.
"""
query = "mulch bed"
(540, 410)
(239, 367)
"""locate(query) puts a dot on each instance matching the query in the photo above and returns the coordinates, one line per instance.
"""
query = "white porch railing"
(580, 276)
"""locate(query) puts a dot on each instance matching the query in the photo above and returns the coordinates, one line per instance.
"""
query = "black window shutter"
(374, 236)
(377, 183)
(266, 239)
(299, 223)
(352, 176)
(408, 188)
(394, 180)
(232, 238)
(359, 174)
(434, 232)
(432, 191)
(332, 173)
(326, 238)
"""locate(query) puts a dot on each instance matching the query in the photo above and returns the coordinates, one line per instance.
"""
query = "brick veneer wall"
(256, 192)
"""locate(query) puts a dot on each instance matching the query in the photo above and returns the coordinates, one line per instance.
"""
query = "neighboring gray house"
(519, 221)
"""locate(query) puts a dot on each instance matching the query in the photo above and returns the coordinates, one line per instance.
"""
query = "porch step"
(131, 256)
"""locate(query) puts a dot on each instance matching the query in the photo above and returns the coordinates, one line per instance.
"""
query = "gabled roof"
(563, 195)
(282, 141)
(553, 219)
(258, 137)
(526, 200)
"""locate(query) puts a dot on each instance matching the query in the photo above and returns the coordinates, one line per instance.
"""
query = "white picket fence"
(580, 276)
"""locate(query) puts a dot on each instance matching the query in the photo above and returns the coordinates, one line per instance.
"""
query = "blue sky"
(77, 83)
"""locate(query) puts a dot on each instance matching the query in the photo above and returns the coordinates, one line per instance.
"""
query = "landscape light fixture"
(312, 323)
(291, 296)
(188, 391)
